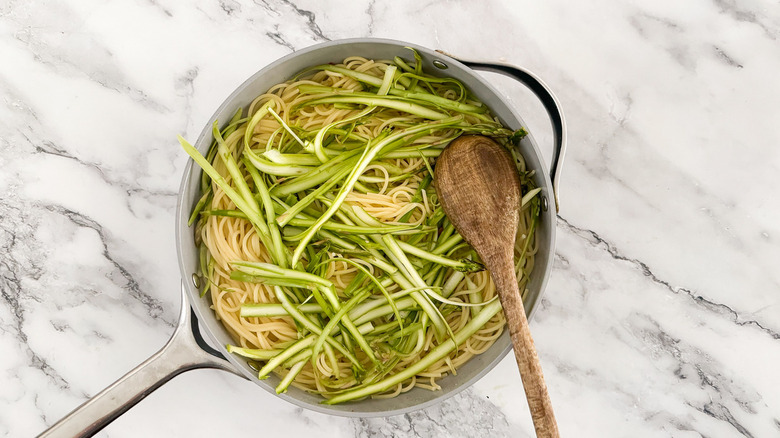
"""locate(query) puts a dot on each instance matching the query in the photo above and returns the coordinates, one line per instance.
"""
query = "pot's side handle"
(186, 350)
(548, 99)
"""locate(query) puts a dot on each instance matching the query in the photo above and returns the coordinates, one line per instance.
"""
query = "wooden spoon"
(479, 188)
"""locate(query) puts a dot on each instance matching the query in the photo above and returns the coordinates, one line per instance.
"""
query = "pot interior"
(284, 69)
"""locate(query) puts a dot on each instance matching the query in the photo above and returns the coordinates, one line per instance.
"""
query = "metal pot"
(187, 349)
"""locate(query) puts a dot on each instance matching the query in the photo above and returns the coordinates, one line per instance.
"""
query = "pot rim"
(207, 316)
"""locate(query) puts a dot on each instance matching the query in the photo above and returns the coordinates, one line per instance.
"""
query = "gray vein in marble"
(278, 38)
(185, 87)
(309, 17)
(725, 57)
(680, 426)
(679, 53)
(665, 34)
(622, 116)
(303, 415)
(600, 168)
(370, 13)
(60, 327)
(649, 17)
(704, 383)
(153, 306)
(718, 387)
(82, 54)
(722, 413)
(42, 412)
(12, 266)
(49, 148)
(561, 262)
(603, 168)
(186, 81)
(268, 8)
(732, 9)
(718, 308)
(230, 6)
(465, 415)
(160, 7)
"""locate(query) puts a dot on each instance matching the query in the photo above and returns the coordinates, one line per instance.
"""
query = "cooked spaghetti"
(324, 249)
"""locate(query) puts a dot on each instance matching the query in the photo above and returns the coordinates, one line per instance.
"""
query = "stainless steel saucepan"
(187, 349)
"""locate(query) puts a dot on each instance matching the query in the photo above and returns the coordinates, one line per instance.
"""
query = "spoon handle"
(525, 352)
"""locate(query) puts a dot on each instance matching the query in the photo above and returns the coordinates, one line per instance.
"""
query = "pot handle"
(550, 102)
(186, 350)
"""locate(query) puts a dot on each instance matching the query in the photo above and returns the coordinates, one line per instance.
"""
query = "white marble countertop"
(662, 315)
